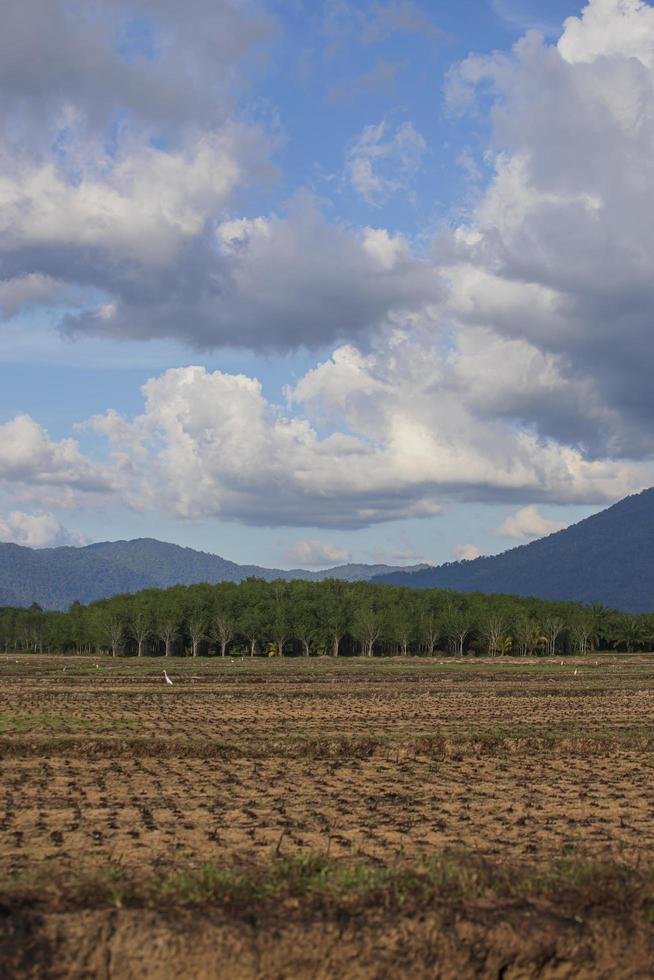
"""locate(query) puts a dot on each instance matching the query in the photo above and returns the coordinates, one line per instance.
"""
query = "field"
(321, 818)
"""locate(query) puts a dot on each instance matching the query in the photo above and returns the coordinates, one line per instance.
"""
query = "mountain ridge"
(57, 577)
(608, 558)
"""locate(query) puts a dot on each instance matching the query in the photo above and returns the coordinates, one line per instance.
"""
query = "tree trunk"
(305, 647)
(335, 645)
(253, 646)
(223, 647)
(169, 646)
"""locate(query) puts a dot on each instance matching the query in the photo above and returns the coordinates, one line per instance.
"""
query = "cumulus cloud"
(29, 290)
(122, 207)
(273, 284)
(606, 28)
(402, 440)
(558, 251)
(40, 530)
(381, 164)
(209, 444)
(465, 552)
(70, 65)
(528, 522)
(152, 236)
(140, 207)
(405, 433)
(316, 553)
(29, 457)
(510, 365)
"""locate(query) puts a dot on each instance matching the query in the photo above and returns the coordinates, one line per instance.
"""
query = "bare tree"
(552, 628)
(140, 627)
(223, 630)
(457, 630)
(431, 631)
(113, 629)
(197, 629)
(581, 636)
(168, 631)
(368, 627)
(492, 630)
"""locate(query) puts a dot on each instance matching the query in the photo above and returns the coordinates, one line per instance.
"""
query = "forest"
(329, 618)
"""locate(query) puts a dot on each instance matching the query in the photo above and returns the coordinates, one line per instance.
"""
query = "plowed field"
(392, 792)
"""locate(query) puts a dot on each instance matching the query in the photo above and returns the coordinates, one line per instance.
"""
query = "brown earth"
(454, 944)
(240, 764)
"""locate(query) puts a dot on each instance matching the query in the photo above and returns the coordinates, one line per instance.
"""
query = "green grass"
(48, 724)
(314, 882)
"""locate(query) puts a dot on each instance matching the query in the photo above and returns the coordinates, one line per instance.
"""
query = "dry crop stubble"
(211, 794)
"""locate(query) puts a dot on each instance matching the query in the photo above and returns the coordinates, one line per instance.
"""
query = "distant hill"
(606, 558)
(56, 577)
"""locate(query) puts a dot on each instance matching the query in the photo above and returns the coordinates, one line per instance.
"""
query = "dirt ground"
(384, 763)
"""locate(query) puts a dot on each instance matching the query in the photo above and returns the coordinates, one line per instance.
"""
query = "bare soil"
(106, 770)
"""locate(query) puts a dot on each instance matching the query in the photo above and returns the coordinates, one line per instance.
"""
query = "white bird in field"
(168, 680)
(575, 673)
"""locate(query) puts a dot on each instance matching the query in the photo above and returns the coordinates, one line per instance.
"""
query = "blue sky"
(376, 231)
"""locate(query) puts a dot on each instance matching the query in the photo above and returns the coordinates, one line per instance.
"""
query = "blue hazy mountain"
(606, 558)
(56, 577)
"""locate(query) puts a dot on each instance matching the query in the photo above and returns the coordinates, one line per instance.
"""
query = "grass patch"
(60, 736)
(316, 883)
(24, 723)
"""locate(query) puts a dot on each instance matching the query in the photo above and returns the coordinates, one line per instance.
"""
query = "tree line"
(328, 618)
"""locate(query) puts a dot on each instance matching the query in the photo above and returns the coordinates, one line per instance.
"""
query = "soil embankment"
(513, 943)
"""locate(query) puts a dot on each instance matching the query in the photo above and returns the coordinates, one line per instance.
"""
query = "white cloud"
(381, 164)
(558, 251)
(621, 28)
(68, 64)
(140, 207)
(316, 553)
(134, 226)
(40, 530)
(512, 365)
(528, 522)
(29, 290)
(148, 236)
(405, 437)
(29, 457)
(465, 552)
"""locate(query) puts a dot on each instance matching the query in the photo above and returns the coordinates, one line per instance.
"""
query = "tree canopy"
(332, 618)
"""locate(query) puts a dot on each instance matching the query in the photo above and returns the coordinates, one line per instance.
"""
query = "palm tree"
(630, 632)
(600, 624)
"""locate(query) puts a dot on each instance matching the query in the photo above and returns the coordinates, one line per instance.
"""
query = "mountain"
(606, 558)
(56, 577)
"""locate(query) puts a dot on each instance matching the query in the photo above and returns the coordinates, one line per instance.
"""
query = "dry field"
(325, 818)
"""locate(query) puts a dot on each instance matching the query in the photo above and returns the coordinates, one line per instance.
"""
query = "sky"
(301, 282)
